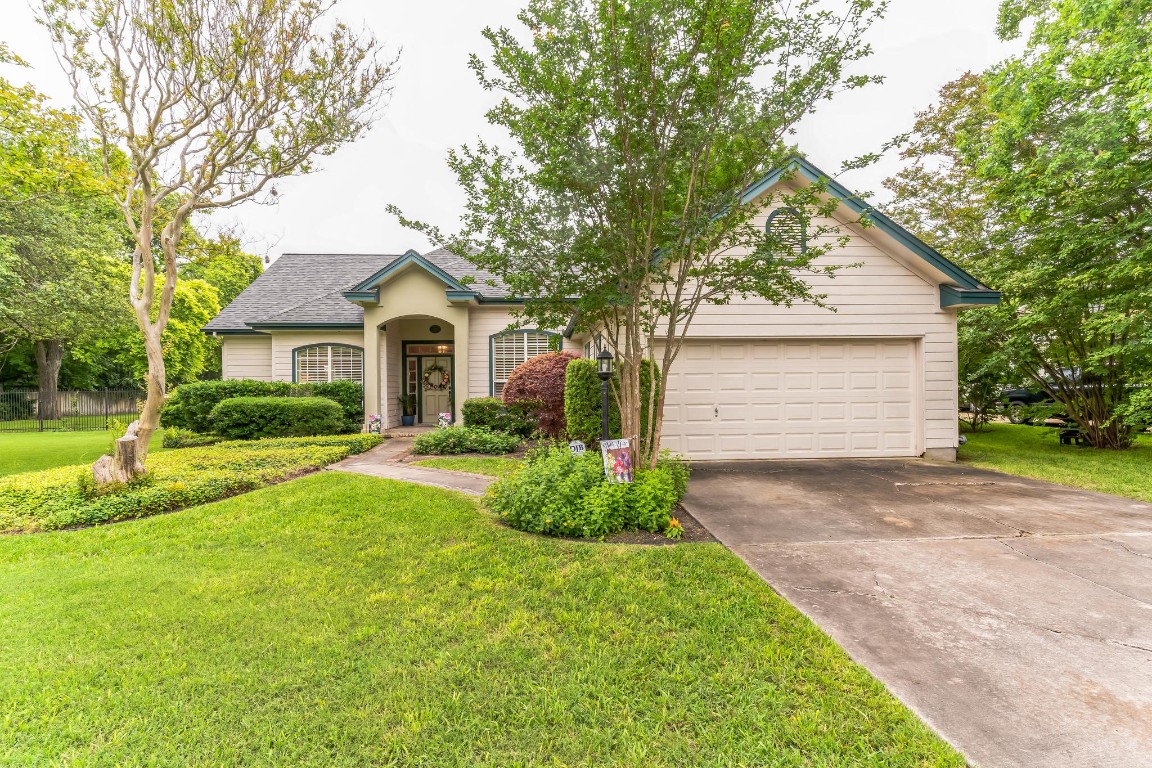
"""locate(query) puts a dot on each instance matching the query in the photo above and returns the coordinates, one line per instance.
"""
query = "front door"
(435, 387)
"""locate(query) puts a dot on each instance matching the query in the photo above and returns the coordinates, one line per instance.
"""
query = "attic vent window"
(787, 234)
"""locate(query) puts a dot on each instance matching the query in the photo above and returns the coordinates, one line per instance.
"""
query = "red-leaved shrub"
(541, 379)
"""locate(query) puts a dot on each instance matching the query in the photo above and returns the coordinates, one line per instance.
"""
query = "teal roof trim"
(953, 297)
(411, 257)
(461, 295)
(372, 295)
(801, 166)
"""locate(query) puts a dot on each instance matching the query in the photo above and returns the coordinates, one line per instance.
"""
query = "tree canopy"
(636, 127)
(1037, 176)
(210, 102)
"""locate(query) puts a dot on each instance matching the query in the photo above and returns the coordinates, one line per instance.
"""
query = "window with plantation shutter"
(512, 348)
(329, 362)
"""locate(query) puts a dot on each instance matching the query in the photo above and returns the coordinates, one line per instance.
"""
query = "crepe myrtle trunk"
(49, 355)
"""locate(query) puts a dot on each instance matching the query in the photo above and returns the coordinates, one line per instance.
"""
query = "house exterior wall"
(880, 298)
(246, 357)
(883, 293)
(486, 321)
(284, 342)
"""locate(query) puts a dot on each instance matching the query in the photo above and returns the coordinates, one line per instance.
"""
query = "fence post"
(39, 409)
(105, 408)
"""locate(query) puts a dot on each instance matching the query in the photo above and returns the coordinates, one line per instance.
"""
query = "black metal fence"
(24, 410)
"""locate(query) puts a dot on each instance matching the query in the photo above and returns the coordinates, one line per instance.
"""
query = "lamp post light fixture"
(604, 371)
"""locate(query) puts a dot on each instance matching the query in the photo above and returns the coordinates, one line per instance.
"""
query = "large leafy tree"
(60, 241)
(210, 101)
(636, 126)
(1040, 181)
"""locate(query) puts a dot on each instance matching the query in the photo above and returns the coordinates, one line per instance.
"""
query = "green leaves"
(1043, 191)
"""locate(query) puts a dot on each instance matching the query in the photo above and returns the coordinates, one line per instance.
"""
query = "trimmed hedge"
(190, 406)
(65, 497)
(464, 439)
(582, 399)
(250, 418)
(540, 379)
(175, 437)
(494, 414)
(557, 493)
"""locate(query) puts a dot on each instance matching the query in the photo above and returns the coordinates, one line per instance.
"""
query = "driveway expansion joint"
(1137, 600)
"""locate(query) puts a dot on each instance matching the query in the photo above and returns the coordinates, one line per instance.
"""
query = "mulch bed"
(694, 533)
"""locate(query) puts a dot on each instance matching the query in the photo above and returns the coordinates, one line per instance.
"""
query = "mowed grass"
(339, 620)
(33, 451)
(478, 465)
(1036, 452)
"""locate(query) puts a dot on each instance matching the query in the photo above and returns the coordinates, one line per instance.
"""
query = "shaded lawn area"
(31, 451)
(1036, 452)
(479, 465)
(340, 620)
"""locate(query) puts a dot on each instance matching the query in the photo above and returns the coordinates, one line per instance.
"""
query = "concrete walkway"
(1014, 616)
(384, 461)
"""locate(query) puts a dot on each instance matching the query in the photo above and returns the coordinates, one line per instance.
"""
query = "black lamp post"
(604, 371)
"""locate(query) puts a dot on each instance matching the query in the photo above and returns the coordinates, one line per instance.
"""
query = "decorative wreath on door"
(435, 377)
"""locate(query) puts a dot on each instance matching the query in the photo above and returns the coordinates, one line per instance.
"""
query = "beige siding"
(246, 357)
(483, 323)
(283, 342)
(875, 296)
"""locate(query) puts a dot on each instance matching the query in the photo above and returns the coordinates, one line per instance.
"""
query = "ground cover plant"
(558, 493)
(1036, 452)
(67, 496)
(340, 620)
(477, 465)
(32, 451)
(464, 439)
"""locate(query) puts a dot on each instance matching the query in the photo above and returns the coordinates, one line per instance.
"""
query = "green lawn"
(1036, 452)
(340, 620)
(480, 465)
(31, 451)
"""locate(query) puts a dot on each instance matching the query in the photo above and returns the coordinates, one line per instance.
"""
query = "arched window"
(328, 362)
(511, 348)
(786, 233)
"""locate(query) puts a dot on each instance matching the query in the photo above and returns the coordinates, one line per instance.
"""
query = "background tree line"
(65, 257)
(1036, 175)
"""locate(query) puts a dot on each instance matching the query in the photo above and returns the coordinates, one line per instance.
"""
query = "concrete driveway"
(1014, 616)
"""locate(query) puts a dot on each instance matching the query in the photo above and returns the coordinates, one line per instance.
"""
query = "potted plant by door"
(407, 409)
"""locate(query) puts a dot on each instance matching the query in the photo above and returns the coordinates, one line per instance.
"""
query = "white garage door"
(792, 399)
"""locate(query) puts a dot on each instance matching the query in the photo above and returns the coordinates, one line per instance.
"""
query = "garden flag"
(617, 460)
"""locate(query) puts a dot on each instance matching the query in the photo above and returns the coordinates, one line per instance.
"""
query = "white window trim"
(328, 363)
(523, 335)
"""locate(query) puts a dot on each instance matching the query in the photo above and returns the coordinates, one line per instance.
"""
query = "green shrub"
(582, 400)
(249, 418)
(349, 394)
(547, 495)
(560, 494)
(65, 497)
(190, 406)
(464, 439)
(175, 437)
(518, 418)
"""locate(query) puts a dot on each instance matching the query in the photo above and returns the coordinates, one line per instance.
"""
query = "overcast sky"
(919, 46)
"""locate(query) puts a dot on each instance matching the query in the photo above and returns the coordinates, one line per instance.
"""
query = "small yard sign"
(444, 420)
(577, 447)
(617, 460)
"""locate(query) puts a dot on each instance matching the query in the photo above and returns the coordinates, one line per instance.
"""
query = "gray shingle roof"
(307, 288)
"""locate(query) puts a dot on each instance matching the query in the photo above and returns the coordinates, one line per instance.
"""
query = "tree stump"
(124, 465)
